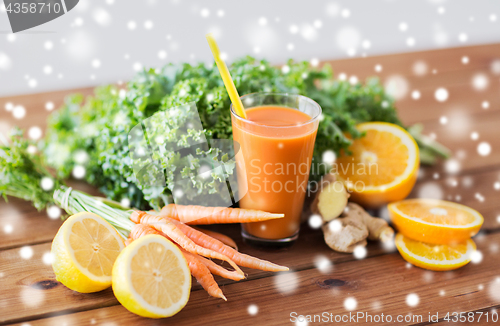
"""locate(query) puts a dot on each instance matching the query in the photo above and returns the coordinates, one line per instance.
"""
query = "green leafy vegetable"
(22, 172)
(93, 133)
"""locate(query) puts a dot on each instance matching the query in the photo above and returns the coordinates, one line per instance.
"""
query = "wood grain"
(379, 283)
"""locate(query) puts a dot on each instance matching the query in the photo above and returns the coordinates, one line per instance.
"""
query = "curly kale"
(93, 132)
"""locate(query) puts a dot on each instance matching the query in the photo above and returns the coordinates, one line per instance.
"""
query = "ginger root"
(353, 228)
(331, 199)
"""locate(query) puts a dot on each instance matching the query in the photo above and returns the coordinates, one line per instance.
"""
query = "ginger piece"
(344, 234)
(331, 199)
(353, 228)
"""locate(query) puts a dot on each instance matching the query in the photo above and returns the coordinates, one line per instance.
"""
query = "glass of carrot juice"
(277, 142)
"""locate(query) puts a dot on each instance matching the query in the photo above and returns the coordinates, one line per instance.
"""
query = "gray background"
(94, 44)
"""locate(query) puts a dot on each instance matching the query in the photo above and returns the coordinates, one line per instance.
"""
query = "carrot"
(219, 236)
(219, 270)
(203, 275)
(174, 233)
(198, 268)
(204, 240)
(198, 215)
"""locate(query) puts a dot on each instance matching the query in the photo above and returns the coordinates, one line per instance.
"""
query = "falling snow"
(350, 304)
(315, 221)
(484, 149)
(53, 212)
(441, 94)
(335, 226)
(253, 309)
(286, 283)
(18, 112)
(323, 264)
(480, 82)
(328, 157)
(412, 300)
(26, 252)
(476, 257)
(360, 252)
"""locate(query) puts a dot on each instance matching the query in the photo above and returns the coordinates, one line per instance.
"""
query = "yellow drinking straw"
(226, 77)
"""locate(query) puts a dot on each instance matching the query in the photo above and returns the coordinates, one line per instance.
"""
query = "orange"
(435, 257)
(383, 167)
(435, 221)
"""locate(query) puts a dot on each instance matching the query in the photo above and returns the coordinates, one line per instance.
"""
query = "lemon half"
(151, 277)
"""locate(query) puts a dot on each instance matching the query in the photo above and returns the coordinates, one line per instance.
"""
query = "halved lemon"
(383, 166)
(435, 221)
(84, 250)
(435, 257)
(151, 277)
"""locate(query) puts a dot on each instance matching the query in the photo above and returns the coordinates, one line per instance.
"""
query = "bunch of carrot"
(198, 245)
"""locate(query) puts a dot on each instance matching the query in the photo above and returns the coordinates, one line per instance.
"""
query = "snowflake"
(53, 212)
(480, 82)
(360, 252)
(286, 283)
(412, 300)
(415, 95)
(47, 183)
(205, 12)
(18, 111)
(403, 27)
(96, 63)
(323, 264)
(8, 228)
(131, 25)
(396, 86)
(350, 304)
(346, 13)
(47, 258)
(162, 54)
(101, 17)
(78, 172)
(484, 149)
(441, 94)
(26, 252)
(315, 221)
(148, 24)
(378, 68)
(465, 60)
(420, 68)
(476, 257)
(35, 133)
(443, 120)
(253, 309)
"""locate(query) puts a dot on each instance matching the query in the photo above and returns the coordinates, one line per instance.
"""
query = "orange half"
(435, 221)
(383, 167)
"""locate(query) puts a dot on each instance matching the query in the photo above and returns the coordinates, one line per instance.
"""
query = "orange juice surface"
(277, 147)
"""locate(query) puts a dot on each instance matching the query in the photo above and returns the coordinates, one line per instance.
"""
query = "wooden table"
(380, 283)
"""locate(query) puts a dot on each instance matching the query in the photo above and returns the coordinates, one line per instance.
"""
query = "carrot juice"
(277, 142)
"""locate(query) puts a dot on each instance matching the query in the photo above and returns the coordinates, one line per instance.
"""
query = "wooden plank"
(462, 98)
(442, 60)
(457, 135)
(21, 224)
(31, 227)
(298, 257)
(379, 285)
(30, 276)
(36, 114)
